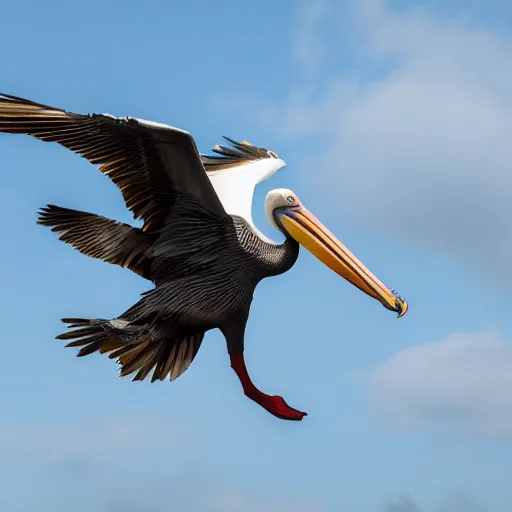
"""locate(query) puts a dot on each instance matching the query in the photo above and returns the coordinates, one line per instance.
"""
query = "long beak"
(304, 227)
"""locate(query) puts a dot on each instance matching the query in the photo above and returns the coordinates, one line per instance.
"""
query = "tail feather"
(137, 348)
(75, 322)
(138, 358)
(85, 341)
(82, 333)
(94, 344)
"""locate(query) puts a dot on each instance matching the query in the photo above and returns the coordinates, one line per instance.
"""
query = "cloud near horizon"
(456, 502)
(463, 381)
(93, 442)
(116, 458)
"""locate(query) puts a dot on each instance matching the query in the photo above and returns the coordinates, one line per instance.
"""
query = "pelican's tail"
(137, 348)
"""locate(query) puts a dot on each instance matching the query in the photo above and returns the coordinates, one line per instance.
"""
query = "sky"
(394, 119)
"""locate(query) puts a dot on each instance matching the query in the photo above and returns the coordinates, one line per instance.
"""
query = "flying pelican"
(198, 243)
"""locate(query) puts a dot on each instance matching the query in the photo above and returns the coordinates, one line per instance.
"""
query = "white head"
(286, 213)
(279, 198)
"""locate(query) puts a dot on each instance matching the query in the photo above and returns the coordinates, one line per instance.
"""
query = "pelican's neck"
(272, 258)
(261, 235)
(281, 257)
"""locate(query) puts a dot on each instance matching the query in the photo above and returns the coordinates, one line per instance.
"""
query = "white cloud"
(417, 137)
(131, 463)
(463, 381)
(307, 47)
(88, 442)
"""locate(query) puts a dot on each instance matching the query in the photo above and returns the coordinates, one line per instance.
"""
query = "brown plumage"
(203, 261)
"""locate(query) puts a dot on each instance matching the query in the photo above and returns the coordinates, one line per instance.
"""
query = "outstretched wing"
(150, 162)
(98, 237)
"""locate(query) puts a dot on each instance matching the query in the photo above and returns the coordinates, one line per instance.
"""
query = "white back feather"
(235, 186)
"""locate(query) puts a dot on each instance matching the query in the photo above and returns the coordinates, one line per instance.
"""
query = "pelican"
(198, 243)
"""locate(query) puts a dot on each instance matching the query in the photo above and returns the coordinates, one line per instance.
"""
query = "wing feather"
(99, 237)
(150, 163)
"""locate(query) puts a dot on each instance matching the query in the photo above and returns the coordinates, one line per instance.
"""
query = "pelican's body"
(198, 245)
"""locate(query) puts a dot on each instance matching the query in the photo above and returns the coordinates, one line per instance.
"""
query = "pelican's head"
(286, 213)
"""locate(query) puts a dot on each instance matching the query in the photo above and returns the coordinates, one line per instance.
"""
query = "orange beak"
(304, 227)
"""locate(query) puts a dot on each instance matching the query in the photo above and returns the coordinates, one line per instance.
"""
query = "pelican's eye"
(290, 199)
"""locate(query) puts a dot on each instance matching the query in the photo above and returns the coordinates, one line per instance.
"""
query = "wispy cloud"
(308, 47)
(462, 381)
(85, 443)
(456, 502)
(462, 502)
(131, 463)
(196, 493)
(402, 504)
(415, 136)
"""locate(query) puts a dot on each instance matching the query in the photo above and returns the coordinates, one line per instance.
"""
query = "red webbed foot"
(275, 405)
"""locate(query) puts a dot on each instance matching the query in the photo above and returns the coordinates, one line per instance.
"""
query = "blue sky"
(394, 120)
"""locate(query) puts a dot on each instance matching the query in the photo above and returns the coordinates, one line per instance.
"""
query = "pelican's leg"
(275, 405)
(234, 331)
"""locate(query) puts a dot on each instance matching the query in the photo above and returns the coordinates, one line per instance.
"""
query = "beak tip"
(403, 309)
